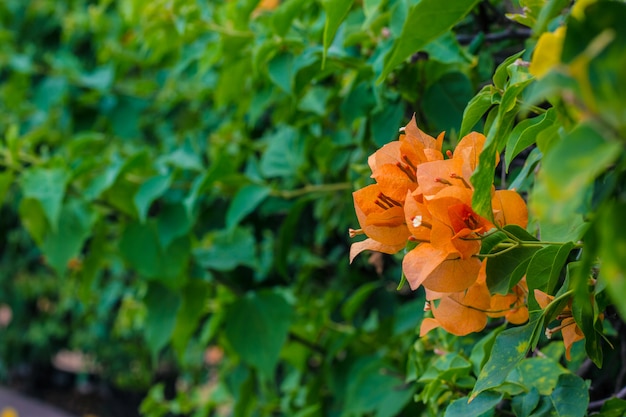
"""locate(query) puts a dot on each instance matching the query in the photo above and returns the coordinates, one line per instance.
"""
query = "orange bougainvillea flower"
(513, 307)
(568, 327)
(381, 219)
(467, 311)
(393, 166)
(459, 313)
(419, 196)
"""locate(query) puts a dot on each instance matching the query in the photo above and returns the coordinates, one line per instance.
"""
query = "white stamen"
(417, 221)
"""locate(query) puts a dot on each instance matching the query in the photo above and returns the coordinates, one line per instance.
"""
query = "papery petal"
(463, 312)
(431, 176)
(371, 244)
(393, 181)
(416, 216)
(542, 298)
(517, 315)
(509, 208)
(427, 325)
(388, 154)
(384, 225)
(439, 270)
(571, 334)
(414, 134)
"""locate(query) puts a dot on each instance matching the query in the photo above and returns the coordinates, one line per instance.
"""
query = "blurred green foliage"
(176, 181)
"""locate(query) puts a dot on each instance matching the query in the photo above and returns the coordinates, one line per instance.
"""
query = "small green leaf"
(280, 70)
(509, 348)
(356, 300)
(257, 326)
(501, 269)
(426, 21)
(538, 373)
(67, 241)
(150, 191)
(245, 202)
(162, 305)
(570, 398)
(479, 405)
(195, 296)
(226, 249)
(524, 404)
(336, 12)
(6, 179)
(476, 109)
(444, 101)
(284, 155)
(544, 270)
(612, 227)
(570, 167)
(47, 186)
(525, 134)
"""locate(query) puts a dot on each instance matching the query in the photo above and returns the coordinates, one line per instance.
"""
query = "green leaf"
(482, 350)
(538, 373)
(284, 155)
(544, 270)
(426, 21)
(502, 273)
(575, 161)
(280, 70)
(47, 186)
(256, 328)
(570, 398)
(336, 12)
(141, 248)
(245, 202)
(150, 191)
(446, 49)
(525, 134)
(356, 300)
(611, 224)
(284, 15)
(224, 250)
(162, 305)
(195, 296)
(373, 392)
(501, 76)
(444, 101)
(476, 109)
(6, 179)
(479, 405)
(508, 350)
(482, 179)
(614, 407)
(384, 123)
(524, 404)
(66, 242)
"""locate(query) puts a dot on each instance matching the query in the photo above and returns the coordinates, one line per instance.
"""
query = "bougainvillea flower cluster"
(424, 196)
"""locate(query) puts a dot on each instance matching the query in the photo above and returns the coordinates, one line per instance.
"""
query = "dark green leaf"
(336, 12)
(479, 405)
(150, 191)
(570, 397)
(245, 202)
(47, 186)
(476, 109)
(162, 305)
(509, 348)
(426, 21)
(257, 326)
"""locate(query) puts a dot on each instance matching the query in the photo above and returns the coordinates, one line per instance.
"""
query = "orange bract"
(419, 196)
(569, 329)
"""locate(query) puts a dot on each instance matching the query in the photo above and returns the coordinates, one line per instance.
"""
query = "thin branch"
(305, 342)
(596, 405)
(514, 33)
